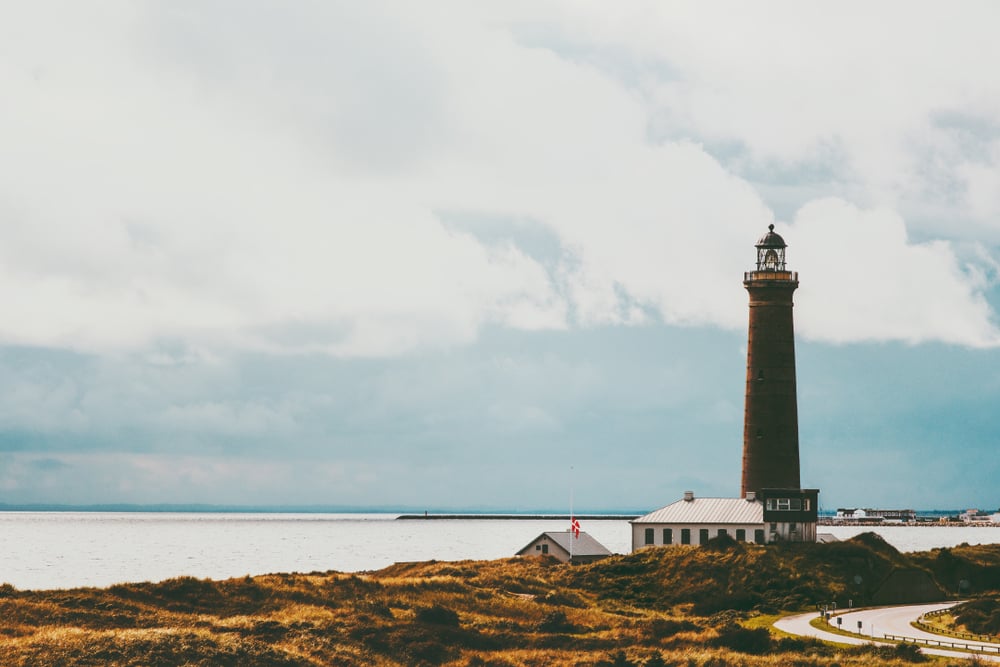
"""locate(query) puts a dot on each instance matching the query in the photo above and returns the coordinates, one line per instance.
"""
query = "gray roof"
(707, 510)
(585, 545)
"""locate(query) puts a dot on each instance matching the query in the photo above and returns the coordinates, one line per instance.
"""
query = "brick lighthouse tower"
(770, 423)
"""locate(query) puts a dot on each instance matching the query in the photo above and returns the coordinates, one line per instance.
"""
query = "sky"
(453, 255)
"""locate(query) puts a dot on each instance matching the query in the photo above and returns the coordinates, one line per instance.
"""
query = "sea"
(55, 550)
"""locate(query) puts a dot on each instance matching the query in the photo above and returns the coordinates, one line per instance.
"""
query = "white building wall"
(804, 532)
(639, 532)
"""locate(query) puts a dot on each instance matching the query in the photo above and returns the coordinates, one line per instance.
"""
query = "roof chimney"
(688, 496)
(751, 496)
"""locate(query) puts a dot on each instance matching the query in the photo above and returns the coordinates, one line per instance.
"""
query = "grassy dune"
(676, 606)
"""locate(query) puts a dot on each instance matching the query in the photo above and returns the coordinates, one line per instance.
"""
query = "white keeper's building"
(780, 515)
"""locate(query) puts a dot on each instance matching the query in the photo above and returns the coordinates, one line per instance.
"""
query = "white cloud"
(276, 181)
(867, 281)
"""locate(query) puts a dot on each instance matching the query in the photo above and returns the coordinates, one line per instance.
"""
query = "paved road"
(881, 621)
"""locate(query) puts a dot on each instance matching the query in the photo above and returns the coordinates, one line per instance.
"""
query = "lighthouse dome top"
(771, 256)
(771, 239)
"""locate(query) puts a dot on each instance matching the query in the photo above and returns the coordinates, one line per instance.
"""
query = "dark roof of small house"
(771, 239)
(585, 545)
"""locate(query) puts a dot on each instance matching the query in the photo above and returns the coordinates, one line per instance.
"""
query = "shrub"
(904, 652)
(909, 653)
(618, 659)
(744, 640)
(803, 645)
(667, 627)
(722, 543)
(438, 615)
(476, 661)
(715, 603)
(555, 621)
(655, 660)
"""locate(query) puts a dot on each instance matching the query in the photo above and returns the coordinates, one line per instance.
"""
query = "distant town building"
(772, 505)
(566, 547)
(975, 516)
(869, 515)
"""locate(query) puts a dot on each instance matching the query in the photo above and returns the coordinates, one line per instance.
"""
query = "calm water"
(41, 550)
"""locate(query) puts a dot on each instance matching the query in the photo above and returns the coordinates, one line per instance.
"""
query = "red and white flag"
(574, 527)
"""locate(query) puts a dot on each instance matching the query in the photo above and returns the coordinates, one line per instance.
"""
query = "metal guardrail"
(985, 647)
(961, 635)
(943, 644)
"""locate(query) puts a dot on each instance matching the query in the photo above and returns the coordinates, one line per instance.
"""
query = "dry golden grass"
(629, 610)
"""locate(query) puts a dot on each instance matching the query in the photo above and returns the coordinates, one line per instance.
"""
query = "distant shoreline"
(523, 517)
(402, 512)
(405, 512)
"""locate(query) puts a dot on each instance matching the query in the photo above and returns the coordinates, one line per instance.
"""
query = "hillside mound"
(770, 578)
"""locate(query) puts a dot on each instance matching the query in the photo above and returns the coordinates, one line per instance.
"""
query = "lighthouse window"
(760, 433)
(760, 376)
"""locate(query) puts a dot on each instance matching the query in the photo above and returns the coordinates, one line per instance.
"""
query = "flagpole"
(572, 517)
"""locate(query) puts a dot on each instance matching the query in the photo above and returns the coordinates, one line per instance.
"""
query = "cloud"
(302, 180)
(867, 281)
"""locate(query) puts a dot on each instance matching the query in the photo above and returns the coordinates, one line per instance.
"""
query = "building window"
(538, 547)
(545, 548)
(758, 535)
(774, 527)
(685, 536)
(703, 536)
(722, 531)
(787, 504)
(792, 528)
(649, 536)
(805, 504)
(741, 535)
(668, 536)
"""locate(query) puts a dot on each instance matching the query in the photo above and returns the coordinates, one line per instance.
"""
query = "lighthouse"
(772, 506)
(770, 417)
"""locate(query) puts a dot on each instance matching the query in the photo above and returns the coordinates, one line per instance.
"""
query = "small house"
(567, 547)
